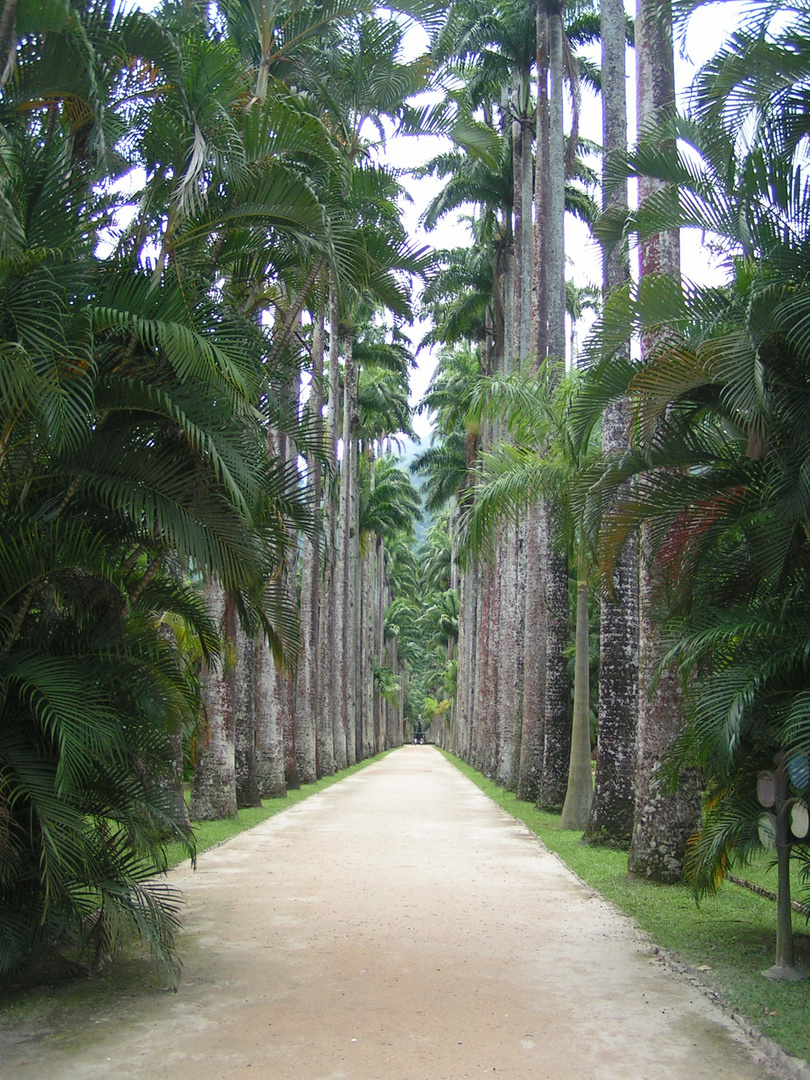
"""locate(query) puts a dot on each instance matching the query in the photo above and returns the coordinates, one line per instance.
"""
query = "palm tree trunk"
(534, 664)
(557, 731)
(353, 570)
(341, 625)
(171, 783)
(613, 807)
(554, 256)
(579, 793)
(306, 695)
(213, 789)
(327, 629)
(269, 731)
(663, 822)
(508, 709)
(367, 626)
(246, 757)
(611, 819)
(285, 689)
(557, 703)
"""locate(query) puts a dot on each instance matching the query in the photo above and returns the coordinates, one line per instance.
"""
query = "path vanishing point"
(399, 926)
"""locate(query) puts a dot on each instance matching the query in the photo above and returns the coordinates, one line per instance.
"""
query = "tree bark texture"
(557, 705)
(611, 819)
(534, 662)
(246, 749)
(306, 688)
(213, 789)
(663, 822)
(579, 792)
(269, 731)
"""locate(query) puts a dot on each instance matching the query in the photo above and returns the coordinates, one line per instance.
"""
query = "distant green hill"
(409, 451)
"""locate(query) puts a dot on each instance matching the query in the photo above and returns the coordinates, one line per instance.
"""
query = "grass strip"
(729, 938)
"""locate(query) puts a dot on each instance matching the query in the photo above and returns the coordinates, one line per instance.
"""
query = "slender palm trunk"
(534, 665)
(535, 605)
(353, 571)
(246, 749)
(579, 793)
(269, 730)
(306, 696)
(327, 631)
(557, 705)
(663, 822)
(213, 789)
(171, 783)
(285, 686)
(557, 730)
(611, 819)
(367, 625)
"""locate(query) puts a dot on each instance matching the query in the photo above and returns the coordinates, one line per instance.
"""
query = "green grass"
(210, 833)
(732, 934)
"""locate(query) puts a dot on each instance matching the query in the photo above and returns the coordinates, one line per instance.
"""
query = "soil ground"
(400, 926)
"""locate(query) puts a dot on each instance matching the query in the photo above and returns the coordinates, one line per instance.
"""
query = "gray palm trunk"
(380, 603)
(467, 661)
(353, 568)
(285, 686)
(508, 698)
(326, 667)
(509, 547)
(213, 789)
(611, 818)
(663, 821)
(246, 741)
(269, 688)
(367, 626)
(306, 694)
(550, 278)
(613, 807)
(557, 711)
(482, 707)
(534, 666)
(171, 783)
(347, 573)
(579, 792)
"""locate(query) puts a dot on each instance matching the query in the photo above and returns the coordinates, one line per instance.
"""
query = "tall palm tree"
(543, 460)
(613, 804)
(720, 452)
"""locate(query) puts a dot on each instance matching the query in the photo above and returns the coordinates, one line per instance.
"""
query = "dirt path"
(398, 925)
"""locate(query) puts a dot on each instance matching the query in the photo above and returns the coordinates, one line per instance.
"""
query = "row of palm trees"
(672, 480)
(206, 562)
(204, 276)
(500, 307)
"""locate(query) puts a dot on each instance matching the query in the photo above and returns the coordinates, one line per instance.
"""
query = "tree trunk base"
(784, 973)
(603, 838)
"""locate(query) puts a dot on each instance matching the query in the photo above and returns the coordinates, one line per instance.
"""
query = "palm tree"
(703, 422)
(543, 461)
(134, 464)
(663, 822)
(613, 804)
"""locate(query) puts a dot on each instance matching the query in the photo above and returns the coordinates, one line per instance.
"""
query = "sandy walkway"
(400, 926)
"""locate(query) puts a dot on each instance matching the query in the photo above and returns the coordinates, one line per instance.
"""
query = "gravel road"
(397, 926)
